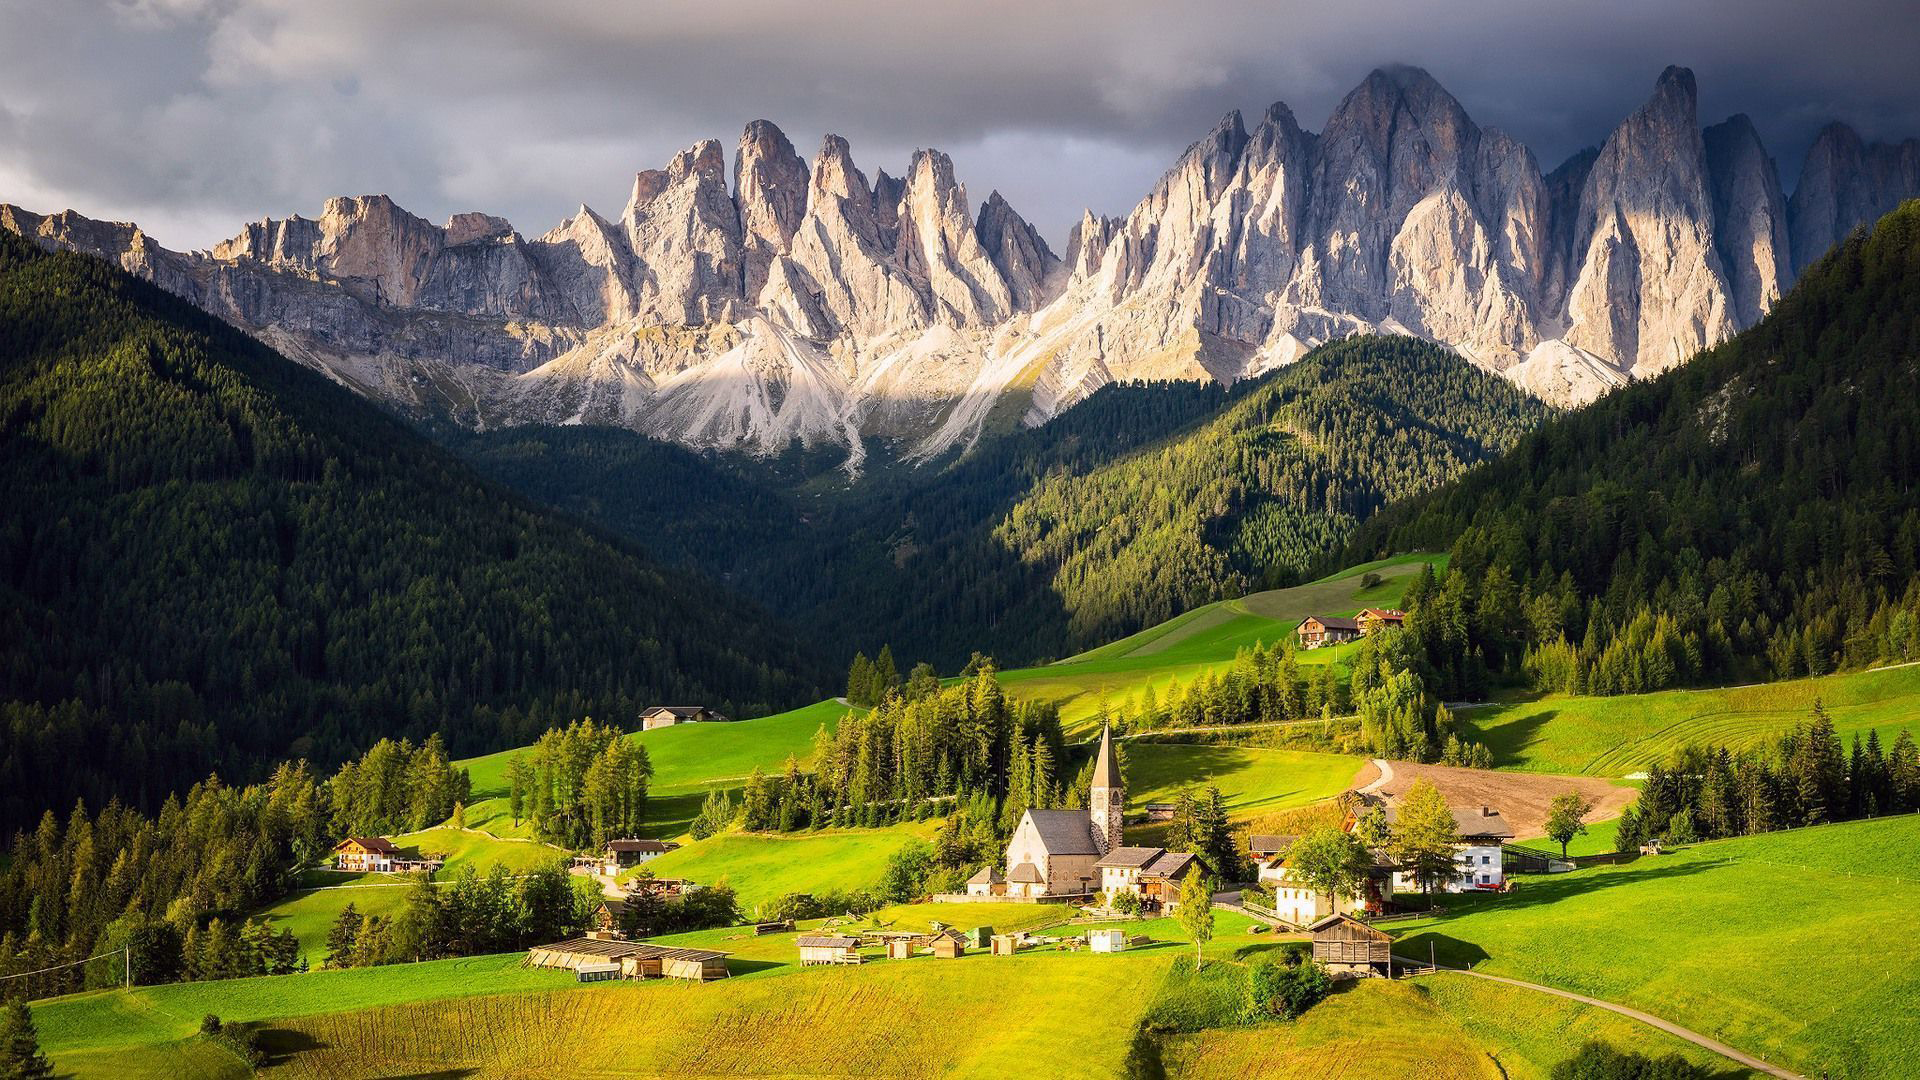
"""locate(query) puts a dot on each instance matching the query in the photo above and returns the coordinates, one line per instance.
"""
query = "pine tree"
(886, 677)
(20, 1056)
(860, 681)
(342, 937)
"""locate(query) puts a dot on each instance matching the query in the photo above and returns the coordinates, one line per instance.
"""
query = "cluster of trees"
(1753, 513)
(581, 785)
(173, 886)
(649, 913)
(218, 951)
(907, 756)
(1393, 688)
(396, 787)
(1263, 685)
(1805, 778)
(1200, 826)
(870, 681)
(1599, 1061)
(472, 914)
(233, 562)
(1422, 842)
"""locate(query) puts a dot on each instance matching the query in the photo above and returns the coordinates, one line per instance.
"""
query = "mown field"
(1796, 946)
(761, 866)
(1616, 736)
(1204, 638)
(1253, 780)
(1445, 1028)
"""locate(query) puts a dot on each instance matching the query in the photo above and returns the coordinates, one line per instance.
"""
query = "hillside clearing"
(1521, 798)
(1253, 780)
(762, 866)
(1741, 940)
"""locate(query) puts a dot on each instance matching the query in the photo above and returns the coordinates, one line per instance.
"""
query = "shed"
(980, 937)
(1006, 944)
(596, 972)
(827, 949)
(899, 948)
(1348, 946)
(695, 965)
(1107, 940)
(949, 944)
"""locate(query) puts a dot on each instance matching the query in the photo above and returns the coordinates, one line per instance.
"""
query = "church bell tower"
(1109, 799)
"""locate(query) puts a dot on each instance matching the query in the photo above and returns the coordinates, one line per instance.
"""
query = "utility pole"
(126, 955)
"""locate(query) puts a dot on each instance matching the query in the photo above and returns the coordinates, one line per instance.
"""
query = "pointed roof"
(1106, 774)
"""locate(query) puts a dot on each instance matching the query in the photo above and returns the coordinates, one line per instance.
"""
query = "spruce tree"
(20, 1056)
(860, 681)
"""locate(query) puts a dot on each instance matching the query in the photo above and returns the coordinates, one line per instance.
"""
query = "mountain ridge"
(803, 302)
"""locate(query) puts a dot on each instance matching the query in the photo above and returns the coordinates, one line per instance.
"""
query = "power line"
(72, 963)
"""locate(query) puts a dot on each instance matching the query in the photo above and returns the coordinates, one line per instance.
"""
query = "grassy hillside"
(761, 866)
(1792, 946)
(1615, 736)
(1255, 781)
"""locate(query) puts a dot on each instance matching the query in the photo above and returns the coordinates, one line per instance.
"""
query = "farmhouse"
(668, 715)
(1317, 630)
(1348, 946)
(827, 949)
(1483, 832)
(365, 854)
(1152, 874)
(1374, 618)
(606, 918)
(1056, 852)
(622, 853)
(636, 960)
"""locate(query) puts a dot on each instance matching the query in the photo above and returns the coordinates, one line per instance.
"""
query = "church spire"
(1108, 804)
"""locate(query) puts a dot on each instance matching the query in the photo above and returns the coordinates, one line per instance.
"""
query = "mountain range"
(803, 302)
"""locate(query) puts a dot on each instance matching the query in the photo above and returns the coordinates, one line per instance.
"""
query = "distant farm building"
(1315, 631)
(1483, 832)
(988, 882)
(1348, 946)
(900, 947)
(607, 917)
(378, 855)
(629, 851)
(635, 960)
(1264, 846)
(1161, 811)
(949, 944)
(1376, 618)
(668, 715)
(827, 949)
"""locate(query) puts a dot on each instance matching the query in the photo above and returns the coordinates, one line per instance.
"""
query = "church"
(1077, 853)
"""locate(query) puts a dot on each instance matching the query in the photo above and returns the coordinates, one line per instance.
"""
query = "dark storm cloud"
(193, 115)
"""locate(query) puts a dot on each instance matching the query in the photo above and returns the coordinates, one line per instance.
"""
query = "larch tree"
(1567, 818)
(1196, 912)
(1425, 838)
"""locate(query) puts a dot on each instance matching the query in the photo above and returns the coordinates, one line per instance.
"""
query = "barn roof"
(1333, 622)
(825, 941)
(677, 710)
(1129, 857)
(1168, 865)
(1341, 920)
(655, 846)
(1065, 832)
(1270, 843)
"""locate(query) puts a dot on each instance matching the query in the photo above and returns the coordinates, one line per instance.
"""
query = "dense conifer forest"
(1754, 513)
(1142, 501)
(214, 559)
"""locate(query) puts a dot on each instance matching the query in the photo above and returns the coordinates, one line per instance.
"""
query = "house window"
(1485, 859)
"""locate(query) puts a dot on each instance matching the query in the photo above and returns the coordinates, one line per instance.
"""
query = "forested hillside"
(1142, 501)
(213, 558)
(1752, 513)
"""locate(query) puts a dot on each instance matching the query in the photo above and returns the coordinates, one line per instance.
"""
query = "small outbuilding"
(1006, 944)
(1107, 940)
(949, 944)
(629, 960)
(899, 948)
(980, 937)
(1348, 946)
(597, 972)
(669, 715)
(827, 949)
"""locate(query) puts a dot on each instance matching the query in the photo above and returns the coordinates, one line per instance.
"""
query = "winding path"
(1667, 1026)
(1378, 782)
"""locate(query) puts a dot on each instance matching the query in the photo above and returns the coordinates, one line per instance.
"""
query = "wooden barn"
(1348, 946)
(949, 944)
(827, 949)
(634, 960)
(607, 917)
(669, 715)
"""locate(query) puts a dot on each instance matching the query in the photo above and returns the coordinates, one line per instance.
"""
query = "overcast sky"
(193, 116)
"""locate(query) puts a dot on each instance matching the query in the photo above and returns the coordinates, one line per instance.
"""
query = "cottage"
(1373, 618)
(1348, 946)
(827, 949)
(668, 715)
(365, 854)
(1315, 631)
(1483, 833)
(629, 851)
(1107, 941)
(988, 882)
(633, 959)
(1055, 852)
(1152, 874)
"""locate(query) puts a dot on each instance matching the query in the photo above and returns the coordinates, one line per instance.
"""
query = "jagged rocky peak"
(1651, 290)
(770, 188)
(475, 227)
(1749, 215)
(1847, 182)
(1017, 249)
(684, 231)
(936, 242)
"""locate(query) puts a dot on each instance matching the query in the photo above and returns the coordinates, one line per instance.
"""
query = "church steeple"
(1109, 796)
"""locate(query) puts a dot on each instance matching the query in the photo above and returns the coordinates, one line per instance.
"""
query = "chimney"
(1486, 811)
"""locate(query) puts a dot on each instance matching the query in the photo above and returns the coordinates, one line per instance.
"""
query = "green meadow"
(1795, 946)
(762, 866)
(1615, 736)
(1253, 780)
